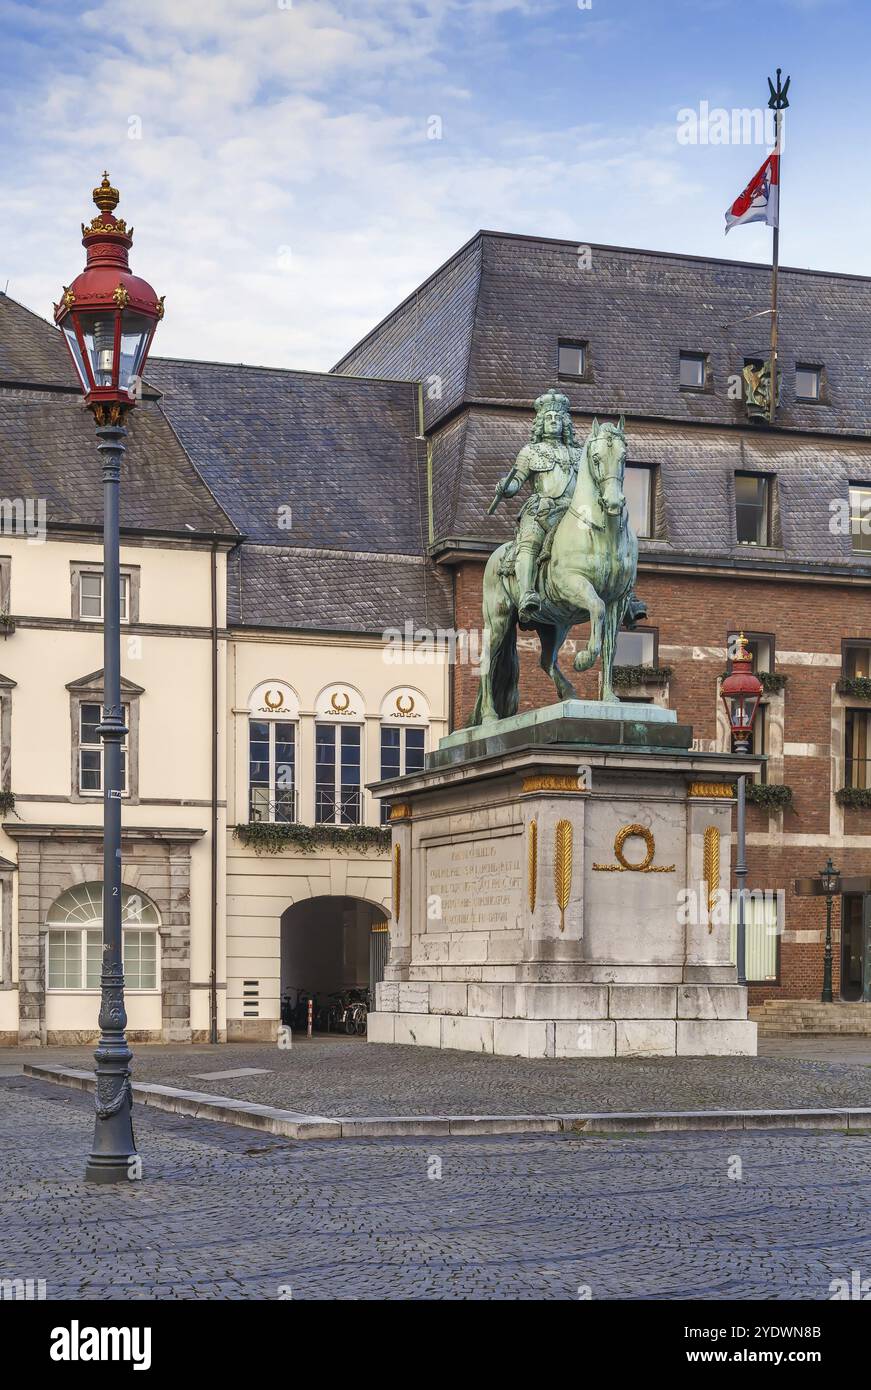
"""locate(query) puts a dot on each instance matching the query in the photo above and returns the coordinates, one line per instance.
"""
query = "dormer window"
(808, 383)
(573, 360)
(693, 371)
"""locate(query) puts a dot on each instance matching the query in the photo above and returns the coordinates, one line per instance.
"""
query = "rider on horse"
(551, 459)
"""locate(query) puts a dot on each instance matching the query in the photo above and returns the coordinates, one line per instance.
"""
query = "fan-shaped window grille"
(75, 939)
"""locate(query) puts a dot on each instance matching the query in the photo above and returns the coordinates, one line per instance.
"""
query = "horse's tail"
(505, 673)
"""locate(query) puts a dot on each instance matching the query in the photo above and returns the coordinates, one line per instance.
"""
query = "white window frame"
(80, 923)
(403, 730)
(337, 728)
(125, 595)
(90, 747)
(803, 369)
(272, 786)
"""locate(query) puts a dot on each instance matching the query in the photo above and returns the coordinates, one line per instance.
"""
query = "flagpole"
(777, 102)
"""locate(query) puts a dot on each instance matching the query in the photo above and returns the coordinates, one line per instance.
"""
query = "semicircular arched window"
(75, 939)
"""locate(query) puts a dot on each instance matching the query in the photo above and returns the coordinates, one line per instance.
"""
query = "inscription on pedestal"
(477, 885)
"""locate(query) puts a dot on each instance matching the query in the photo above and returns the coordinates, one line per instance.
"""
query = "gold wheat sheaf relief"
(562, 868)
(532, 864)
(397, 867)
(711, 868)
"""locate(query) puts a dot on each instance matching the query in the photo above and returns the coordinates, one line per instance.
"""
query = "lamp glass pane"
(98, 331)
(135, 329)
(69, 333)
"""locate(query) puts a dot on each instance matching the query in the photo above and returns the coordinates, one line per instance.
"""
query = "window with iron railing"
(272, 771)
(402, 750)
(338, 789)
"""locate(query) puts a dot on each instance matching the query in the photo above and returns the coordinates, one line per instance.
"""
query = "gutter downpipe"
(213, 973)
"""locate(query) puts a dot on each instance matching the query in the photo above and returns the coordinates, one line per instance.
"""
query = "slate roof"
(489, 321)
(340, 454)
(48, 448)
(326, 477)
(696, 473)
(333, 590)
(516, 297)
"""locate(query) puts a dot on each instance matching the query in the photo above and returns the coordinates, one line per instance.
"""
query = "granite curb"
(294, 1125)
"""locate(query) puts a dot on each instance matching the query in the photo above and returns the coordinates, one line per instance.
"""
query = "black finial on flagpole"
(778, 101)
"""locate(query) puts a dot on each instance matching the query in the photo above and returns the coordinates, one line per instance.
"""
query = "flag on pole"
(760, 200)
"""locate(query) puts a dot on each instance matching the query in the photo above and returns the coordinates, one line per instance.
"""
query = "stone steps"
(788, 1017)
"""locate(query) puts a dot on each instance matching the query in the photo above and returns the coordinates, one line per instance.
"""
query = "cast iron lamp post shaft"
(830, 879)
(114, 1146)
(827, 996)
(741, 877)
(740, 692)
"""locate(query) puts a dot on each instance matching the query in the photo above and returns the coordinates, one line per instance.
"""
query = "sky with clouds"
(277, 158)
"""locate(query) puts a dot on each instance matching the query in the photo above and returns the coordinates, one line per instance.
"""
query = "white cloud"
(284, 191)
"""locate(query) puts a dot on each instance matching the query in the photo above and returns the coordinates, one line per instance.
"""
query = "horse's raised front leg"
(580, 594)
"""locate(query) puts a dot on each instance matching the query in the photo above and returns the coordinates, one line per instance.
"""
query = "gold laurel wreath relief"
(532, 864)
(562, 868)
(624, 865)
(711, 867)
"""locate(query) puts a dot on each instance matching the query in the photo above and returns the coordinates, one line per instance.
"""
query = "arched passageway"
(330, 947)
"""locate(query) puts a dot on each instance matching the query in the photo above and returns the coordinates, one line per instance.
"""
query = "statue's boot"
(530, 603)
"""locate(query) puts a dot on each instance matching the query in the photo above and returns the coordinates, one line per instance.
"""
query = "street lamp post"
(740, 692)
(108, 317)
(829, 878)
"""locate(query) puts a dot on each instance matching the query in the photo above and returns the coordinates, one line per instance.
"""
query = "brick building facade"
(741, 526)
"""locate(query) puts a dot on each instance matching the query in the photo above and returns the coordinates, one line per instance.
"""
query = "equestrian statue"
(573, 558)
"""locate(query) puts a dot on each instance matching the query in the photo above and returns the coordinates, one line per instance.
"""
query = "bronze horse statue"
(586, 574)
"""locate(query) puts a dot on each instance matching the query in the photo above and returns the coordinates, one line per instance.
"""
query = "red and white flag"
(760, 200)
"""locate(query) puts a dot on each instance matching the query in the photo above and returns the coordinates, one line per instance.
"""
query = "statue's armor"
(553, 469)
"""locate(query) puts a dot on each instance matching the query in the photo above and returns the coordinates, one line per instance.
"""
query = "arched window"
(75, 939)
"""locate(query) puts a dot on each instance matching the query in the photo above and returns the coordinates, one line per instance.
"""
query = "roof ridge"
(668, 255)
(282, 371)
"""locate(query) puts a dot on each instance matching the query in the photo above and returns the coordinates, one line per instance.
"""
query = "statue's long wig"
(568, 434)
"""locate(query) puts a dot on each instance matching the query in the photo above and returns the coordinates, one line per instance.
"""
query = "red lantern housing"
(108, 315)
(740, 693)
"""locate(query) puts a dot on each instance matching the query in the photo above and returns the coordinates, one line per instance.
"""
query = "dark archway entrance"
(330, 947)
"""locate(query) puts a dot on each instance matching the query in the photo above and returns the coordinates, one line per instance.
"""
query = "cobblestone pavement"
(349, 1077)
(222, 1213)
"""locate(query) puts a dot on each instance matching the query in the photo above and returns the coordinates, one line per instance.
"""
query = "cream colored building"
(266, 557)
(303, 921)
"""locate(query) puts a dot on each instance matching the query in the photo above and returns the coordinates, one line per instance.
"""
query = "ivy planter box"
(854, 798)
(773, 795)
(271, 837)
(623, 676)
(860, 688)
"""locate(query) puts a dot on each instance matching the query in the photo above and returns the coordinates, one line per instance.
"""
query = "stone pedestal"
(553, 886)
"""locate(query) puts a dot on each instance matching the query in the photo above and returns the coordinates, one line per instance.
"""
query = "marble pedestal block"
(552, 892)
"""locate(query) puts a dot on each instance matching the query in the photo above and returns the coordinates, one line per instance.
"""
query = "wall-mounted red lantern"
(741, 692)
(108, 315)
